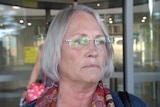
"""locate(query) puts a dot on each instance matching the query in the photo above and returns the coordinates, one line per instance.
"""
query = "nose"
(92, 49)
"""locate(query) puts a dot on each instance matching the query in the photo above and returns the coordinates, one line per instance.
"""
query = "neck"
(75, 95)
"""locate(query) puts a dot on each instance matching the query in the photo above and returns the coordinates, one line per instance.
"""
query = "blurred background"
(23, 27)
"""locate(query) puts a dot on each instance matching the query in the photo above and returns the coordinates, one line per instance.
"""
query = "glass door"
(146, 44)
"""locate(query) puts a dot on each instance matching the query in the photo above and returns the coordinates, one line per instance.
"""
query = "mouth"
(91, 66)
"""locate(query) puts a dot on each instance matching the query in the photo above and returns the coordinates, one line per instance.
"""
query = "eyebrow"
(83, 34)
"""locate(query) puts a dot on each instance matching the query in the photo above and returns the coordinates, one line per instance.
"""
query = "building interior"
(134, 32)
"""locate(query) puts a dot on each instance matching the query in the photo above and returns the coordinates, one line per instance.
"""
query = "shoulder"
(136, 101)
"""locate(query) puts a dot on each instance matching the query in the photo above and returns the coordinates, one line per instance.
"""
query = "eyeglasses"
(83, 41)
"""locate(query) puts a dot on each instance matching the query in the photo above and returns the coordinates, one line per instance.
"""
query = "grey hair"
(51, 49)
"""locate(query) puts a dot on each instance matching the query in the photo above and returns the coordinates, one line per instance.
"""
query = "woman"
(36, 71)
(77, 55)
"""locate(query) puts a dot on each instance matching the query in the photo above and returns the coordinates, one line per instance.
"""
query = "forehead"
(82, 16)
(83, 22)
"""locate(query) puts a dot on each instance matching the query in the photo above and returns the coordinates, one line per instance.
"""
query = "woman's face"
(80, 62)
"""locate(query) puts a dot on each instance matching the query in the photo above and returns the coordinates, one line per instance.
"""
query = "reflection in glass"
(146, 51)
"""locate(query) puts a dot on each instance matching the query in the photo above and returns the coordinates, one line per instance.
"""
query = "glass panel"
(113, 20)
(146, 51)
(22, 30)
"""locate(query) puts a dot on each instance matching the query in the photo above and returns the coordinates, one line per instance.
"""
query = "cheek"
(70, 57)
(73, 55)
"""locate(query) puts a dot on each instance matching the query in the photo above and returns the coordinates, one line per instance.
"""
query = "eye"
(82, 40)
(100, 41)
(73, 43)
(78, 41)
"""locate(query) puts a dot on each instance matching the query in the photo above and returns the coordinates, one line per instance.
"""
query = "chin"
(93, 80)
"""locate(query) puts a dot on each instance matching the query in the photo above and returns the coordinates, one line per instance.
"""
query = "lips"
(91, 66)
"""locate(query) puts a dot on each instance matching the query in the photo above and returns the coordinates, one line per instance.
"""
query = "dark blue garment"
(30, 104)
(137, 102)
